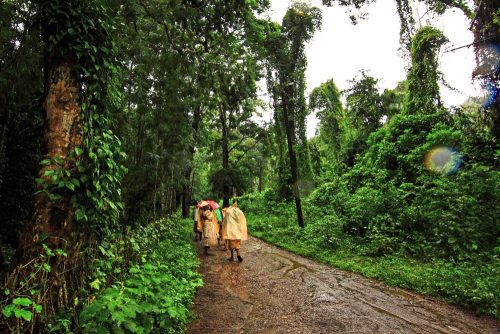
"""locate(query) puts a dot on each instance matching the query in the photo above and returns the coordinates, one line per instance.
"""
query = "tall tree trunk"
(187, 188)
(261, 175)
(139, 139)
(186, 192)
(290, 133)
(63, 133)
(225, 152)
(283, 164)
(3, 141)
(53, 221)
(155, 188)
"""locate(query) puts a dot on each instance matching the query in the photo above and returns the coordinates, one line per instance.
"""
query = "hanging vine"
(79, 181)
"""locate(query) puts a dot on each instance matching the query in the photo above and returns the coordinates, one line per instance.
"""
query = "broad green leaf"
(8, 310)
(22, 301)
(79, 214)
(134, 270)
(95, 284)
(25, 314)
(58, 160)
(61, 252)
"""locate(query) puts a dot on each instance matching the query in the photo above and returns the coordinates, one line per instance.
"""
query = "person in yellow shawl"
(207, 223)
(234, 229)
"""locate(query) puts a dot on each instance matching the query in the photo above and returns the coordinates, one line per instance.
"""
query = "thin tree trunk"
(291, 153)
(3, 141)
(171, 192)
(139, 139)
(261, 175)
(225, 152)
(188, 189)
(186, 192)
(155, 188)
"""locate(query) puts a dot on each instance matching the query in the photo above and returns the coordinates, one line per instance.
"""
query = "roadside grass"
(474, 285)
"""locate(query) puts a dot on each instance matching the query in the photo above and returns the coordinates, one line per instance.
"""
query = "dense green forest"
(115, 115)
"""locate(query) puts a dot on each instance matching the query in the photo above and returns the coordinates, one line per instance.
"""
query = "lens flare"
(305, 186)
(443, 160)
(490, 94)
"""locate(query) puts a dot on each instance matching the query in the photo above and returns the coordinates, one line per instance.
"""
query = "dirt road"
(274, 291)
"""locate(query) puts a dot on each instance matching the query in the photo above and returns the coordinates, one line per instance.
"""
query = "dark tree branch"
(471, 44)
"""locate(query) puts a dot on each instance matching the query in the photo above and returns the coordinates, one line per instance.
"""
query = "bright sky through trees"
(340, 50)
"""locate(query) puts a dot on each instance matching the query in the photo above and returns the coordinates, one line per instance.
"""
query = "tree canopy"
(116, 115)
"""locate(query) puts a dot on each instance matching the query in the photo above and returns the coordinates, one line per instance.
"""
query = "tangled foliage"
(84, 35)
(154, 290)
(102, 169)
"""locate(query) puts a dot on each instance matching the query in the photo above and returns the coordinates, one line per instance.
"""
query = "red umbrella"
(214, 204)
(203, 203)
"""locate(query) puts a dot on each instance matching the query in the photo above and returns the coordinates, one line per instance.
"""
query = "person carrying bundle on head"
(208, 224)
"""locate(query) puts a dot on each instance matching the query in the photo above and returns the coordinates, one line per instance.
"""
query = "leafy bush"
(456, 216)
(156, 291)
(325, 230)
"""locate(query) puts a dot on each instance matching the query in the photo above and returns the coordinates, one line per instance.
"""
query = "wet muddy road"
(274, 291)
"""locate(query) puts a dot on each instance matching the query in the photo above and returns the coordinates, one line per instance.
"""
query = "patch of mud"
(273, 291)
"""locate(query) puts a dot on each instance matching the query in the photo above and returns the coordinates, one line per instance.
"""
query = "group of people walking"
(216, 227)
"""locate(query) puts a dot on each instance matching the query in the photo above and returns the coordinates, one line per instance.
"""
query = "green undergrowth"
(472, 284)
(156, 285)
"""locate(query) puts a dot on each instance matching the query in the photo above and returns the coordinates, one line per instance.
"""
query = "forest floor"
(275, 291)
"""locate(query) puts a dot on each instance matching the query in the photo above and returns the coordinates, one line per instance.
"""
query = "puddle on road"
(437, 316)
(231, 280)
(296, 265)
(437, 321)
(397, 316)
(289, 265)
(401, 293)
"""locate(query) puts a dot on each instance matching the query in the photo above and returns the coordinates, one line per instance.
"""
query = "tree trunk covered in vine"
(53, 221)
(283, 166)
(63, 133)
(290, 133)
